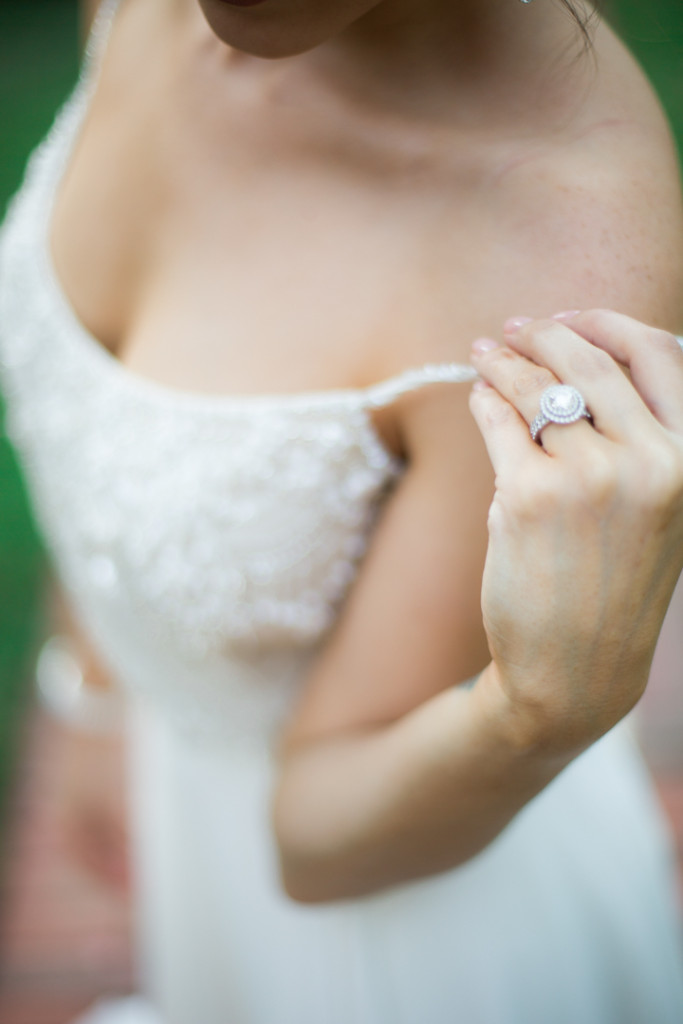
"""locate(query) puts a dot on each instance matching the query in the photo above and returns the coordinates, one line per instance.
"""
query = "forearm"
(356, 813)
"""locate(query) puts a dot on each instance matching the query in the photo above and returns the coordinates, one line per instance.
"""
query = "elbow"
(299, 839)
(310, 882)
(324, 850)
(314, 873)
(312, 869)
(304, 875)
(303, 886)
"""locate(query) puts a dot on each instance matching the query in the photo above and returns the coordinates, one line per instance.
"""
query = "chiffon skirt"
(569, 917)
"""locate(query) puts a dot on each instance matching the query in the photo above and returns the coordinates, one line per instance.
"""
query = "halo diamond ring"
(560, 403)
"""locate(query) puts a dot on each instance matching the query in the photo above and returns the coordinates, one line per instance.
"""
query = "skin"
(602, 501)
(90, 805)
(423, 171)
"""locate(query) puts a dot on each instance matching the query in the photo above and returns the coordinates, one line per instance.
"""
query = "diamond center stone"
(562, 400)
(562, 403)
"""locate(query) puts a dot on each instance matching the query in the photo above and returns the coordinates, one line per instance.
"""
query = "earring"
(526, 1)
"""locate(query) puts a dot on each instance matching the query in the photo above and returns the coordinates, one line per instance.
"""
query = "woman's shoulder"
(599, 108)
(595, 203)
(584, 214)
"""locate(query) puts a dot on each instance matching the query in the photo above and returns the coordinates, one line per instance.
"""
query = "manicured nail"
(484, 345)
(480, 385)
(515, 322)
(568, 314)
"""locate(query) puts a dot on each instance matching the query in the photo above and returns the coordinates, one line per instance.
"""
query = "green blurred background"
(38, 66)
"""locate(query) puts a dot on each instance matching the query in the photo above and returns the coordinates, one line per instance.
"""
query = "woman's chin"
(260, 30)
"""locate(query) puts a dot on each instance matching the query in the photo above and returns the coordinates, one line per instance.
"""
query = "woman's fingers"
(618, 410)
(654, 358)
(521, 383)
(505, 432)
(584, 548)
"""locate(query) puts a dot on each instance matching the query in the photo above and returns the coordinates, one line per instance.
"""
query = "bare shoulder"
(586, 215)
(594, 211)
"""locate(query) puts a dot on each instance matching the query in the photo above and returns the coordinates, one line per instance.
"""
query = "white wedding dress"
(207, 544)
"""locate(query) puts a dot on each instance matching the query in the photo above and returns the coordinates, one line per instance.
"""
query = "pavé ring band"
(560, 403)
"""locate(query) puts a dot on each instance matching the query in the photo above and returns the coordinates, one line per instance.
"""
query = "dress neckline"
(64, 313)
(60, 147)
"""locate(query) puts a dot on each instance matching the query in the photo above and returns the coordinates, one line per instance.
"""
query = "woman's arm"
(90, 793)
(586, 546)
(390, 771)
(387, 772)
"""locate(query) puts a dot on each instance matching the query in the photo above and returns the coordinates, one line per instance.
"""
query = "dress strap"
(386, 391)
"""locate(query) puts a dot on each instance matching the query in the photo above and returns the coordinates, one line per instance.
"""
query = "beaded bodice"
(207, 542)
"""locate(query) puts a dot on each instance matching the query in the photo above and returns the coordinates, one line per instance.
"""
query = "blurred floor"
(65, 937)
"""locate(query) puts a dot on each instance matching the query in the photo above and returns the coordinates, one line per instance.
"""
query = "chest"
(250, 241)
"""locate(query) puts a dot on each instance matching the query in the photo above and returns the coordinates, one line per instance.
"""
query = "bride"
(240, 288)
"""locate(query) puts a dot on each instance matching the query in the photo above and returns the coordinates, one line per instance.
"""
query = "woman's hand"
(586, 532)
(91, 790)
(91, 806)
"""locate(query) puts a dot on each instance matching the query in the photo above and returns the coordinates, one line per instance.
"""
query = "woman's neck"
(435, 36)
(452, 60)
(449, 56)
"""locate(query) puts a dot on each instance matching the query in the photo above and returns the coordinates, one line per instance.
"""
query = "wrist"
(520, 728)
(67, 695)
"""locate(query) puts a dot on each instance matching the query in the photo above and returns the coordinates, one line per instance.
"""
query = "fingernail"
(568, 314)
(484, 345)
(480, 385)
(515, 322)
